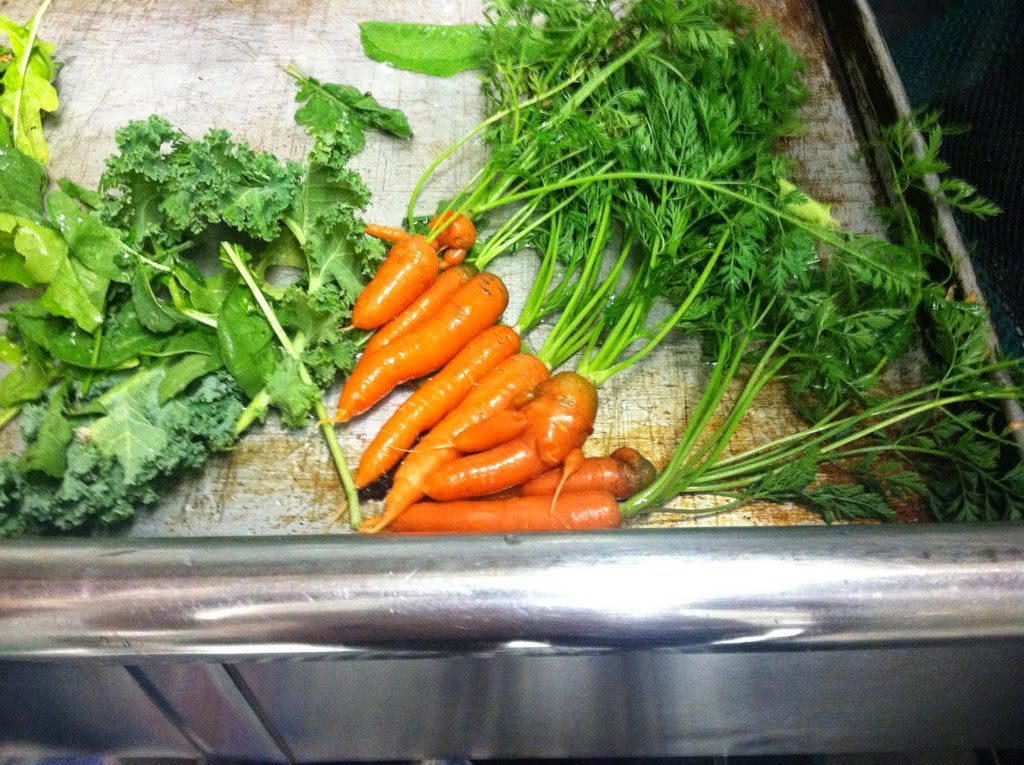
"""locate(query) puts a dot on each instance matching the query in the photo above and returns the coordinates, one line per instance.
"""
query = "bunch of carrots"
(501, 437)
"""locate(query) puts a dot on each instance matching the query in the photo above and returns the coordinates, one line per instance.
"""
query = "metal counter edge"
(741, 589)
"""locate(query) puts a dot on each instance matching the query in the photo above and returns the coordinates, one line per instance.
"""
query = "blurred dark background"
(966, 58)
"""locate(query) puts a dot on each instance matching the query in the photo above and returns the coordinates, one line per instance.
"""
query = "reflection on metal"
(81, 708)
(647, 703)
(740, 589)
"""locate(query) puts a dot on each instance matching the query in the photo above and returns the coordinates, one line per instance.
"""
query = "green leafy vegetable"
(115, 462)
(651, 129)
(46, 452)
(28, 89)
(434, 49)
(246, 341)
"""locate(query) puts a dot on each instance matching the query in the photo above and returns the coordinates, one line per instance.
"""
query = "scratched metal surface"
(218, 64)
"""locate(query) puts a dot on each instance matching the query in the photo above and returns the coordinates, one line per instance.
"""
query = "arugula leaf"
(436, 49)
(21, 193)
(30, 254)
(27, 86)
(76, 293)
(25, 382)
(90, 198)
(45, 451)
(94, 244)
(246, 341)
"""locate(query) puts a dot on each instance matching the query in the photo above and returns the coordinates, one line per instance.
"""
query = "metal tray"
(638, 642)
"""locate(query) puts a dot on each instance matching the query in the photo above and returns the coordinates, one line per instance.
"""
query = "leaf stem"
(33, 33)
(351, 496)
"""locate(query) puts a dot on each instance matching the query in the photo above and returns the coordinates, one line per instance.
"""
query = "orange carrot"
(476, 305)
(455, 239)
(434, 399)
(573, 511)
(452, 258)
(409, 268)
(422, 308)
(458, 232)
(388, 233)
(623, 474)
(478, 475)
(562, 415)
(500, 386)
(502, 427)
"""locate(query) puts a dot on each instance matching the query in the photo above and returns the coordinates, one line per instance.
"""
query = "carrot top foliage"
(636, 149)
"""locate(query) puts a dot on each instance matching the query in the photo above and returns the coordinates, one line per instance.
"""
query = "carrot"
(476, 305)
(458, 232)
(409, 268)
(495, 430)
(624, 473)
(389, 233)
(452, 258)
(422, 308)
(574, 511)
(434, 399)
(502, 384)
(478, 475)
(573, 461)
(455, 239)
(562, 415)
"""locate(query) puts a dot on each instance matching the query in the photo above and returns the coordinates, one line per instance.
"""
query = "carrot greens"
(635, 149)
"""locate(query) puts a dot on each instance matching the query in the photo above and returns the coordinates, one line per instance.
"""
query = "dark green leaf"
(246, 341)
(123, 340)
(186, 371)
(156, 315)
(203, 341)
(45, 452)
(94, 244)
(128, 432)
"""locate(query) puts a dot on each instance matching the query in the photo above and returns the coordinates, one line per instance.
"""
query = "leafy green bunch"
(203, 283)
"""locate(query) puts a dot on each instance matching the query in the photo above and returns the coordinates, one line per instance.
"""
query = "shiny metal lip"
(798, 588)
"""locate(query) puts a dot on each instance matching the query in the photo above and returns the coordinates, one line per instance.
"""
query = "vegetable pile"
(651, 130)
(155, 332)
(634, 149)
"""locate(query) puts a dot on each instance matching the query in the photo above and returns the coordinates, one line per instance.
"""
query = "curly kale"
(124, 446)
